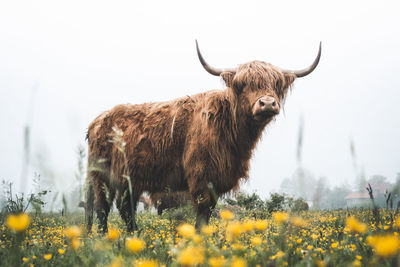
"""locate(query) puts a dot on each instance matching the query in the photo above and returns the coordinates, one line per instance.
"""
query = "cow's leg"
(204, 200)
(127, 210)
(161, 205)
(160, 210)
(88, 205)
(102, 203)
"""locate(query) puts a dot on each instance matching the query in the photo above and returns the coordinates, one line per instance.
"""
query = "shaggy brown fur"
(163, 201)
(200, 143)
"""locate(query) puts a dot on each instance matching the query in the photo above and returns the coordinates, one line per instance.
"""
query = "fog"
(61, 64)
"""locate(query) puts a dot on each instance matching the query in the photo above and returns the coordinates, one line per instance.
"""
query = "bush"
(179, 214)
(299, 205)
(276, 203)
(246, 201)
(18, 203)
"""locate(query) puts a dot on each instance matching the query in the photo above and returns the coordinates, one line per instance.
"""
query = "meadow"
(359, 237)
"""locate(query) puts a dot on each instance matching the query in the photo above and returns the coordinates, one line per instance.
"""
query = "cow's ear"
(236, 82)
(289, 79)
(282, 86)
(228, 78)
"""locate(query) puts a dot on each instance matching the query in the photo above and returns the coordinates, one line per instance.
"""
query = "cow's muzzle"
(265, 107)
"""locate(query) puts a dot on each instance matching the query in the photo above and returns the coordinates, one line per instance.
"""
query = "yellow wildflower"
(191, 256)
(73, 232)
(18, 223)
(113, 234)
(208, 230)
(354, 225)
(280, 216)
(256, 241)
(260, 225)
(238, 262)
(24, 259)
(134, 244)
(398, 221)
(226, 215)
(233, 230)
(186, 230)
(197, 239)
(237, 246)
(299, 241)
(216, 261)
(278, 255)
(75, 243)
(47, 256)
(248, 225)
(146, 263)
(335, 244)
(61, 251)
(385, 246)
(356, 263)
(299, 222)
(359, 257)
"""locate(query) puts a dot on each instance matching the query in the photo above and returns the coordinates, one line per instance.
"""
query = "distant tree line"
(276, 202)
(319, 195)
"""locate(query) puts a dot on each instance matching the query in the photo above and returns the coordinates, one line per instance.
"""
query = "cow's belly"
(167, 177)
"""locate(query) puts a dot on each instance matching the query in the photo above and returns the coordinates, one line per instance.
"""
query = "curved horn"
(208, 68)
(306, 71)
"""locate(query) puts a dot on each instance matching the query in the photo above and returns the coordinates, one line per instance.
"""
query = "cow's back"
(154, 134)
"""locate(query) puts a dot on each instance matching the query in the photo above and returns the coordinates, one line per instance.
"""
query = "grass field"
(312, 238)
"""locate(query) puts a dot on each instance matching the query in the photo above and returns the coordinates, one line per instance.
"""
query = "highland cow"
(200, 143)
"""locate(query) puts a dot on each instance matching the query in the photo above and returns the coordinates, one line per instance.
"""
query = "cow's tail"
(89, 206)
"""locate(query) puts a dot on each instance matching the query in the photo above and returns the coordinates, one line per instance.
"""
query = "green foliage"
(282, 202)
(17, 203)
(276, 203)
(299, 205)
(253, 205)
(181, 214)
(80, 174)
(37, 201)
(246, 201)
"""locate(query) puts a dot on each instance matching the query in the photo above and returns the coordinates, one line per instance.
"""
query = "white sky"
(87, 56)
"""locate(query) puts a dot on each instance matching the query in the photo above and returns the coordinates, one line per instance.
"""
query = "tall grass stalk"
(27, 139)
(79, 175)
(117, 140)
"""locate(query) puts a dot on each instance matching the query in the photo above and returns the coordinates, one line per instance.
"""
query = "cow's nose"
(268, 104)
